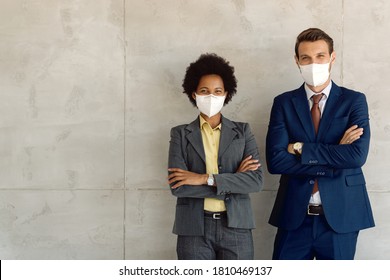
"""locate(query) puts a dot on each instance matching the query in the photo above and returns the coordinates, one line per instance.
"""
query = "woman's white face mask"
(210, 104)
(315, 74)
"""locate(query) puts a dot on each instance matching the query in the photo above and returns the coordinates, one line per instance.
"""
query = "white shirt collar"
(326, 91)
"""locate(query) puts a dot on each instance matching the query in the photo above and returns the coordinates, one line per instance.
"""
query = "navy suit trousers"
(314, 239)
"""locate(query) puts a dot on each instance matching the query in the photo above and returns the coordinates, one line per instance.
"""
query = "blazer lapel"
(227, 135)
(194, 136)
(332, 104)
(302, 109)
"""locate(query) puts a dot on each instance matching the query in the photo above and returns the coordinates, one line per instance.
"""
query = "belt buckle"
(216, 216)
(310, 213)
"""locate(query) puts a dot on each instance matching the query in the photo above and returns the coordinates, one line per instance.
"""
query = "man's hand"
(351, 135)
(184, 177)
(248, 164)
(290, 148)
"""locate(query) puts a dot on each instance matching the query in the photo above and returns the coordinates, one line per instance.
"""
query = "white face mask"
(315, 74)
(209, 105)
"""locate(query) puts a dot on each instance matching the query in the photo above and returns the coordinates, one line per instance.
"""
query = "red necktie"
(316, 117)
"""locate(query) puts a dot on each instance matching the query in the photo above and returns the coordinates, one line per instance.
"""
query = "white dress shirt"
(316, 198)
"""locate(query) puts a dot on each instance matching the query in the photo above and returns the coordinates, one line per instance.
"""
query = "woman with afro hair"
(213, 166)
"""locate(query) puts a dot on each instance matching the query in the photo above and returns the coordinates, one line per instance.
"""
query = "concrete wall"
(90, 89)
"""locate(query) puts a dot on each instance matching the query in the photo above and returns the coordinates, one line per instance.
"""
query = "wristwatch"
(298, 148)
(210, 180)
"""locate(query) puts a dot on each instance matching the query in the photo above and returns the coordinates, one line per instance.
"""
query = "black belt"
(215, 215)
(315, 210)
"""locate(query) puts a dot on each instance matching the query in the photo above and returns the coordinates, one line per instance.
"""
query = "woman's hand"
(248, 164)
(351, 135)
(184, 177)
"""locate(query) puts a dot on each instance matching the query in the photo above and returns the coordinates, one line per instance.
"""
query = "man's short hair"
(312, 35)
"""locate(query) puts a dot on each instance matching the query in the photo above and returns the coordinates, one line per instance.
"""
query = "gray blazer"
(186, 152)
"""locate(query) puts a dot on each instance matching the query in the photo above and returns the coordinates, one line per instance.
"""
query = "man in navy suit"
(318, 139)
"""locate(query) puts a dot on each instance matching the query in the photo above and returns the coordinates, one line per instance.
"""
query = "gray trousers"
(219, 243)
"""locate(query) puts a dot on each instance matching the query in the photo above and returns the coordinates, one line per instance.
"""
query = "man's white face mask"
(315, 74)
(210, 104)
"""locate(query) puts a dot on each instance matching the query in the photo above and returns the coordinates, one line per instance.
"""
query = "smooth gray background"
(90, 89)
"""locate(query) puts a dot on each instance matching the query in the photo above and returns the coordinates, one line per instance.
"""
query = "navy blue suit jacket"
(337, 167)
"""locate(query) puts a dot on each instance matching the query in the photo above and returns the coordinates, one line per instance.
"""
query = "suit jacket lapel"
(332, 104)
(301, 106)
(194, 136)
(227, 135)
